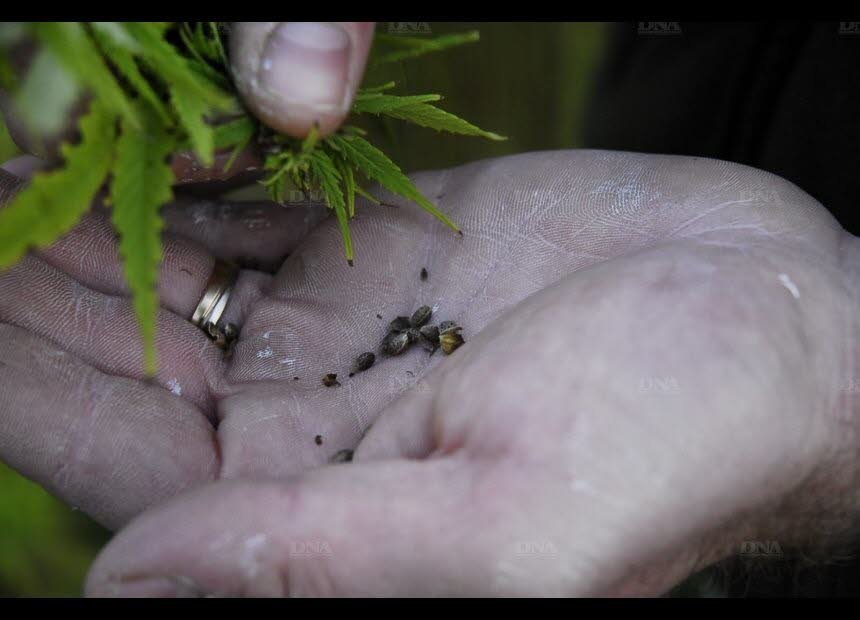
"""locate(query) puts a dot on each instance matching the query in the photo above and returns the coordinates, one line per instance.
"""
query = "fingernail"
(149, 587)
(307, 63)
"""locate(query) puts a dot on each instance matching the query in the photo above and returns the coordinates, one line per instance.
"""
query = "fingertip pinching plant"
(156, 89)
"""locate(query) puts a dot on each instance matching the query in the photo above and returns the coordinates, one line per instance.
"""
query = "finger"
(187, 169)
(102, 330)
(388, 528)
(257, 235)
(89, 253)
(23, 168)
(405, 430)
(106, 444)
(295, 74)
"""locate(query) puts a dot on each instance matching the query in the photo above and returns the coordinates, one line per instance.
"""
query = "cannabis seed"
(231, 332)
(445, 326)
(400, 324)
(424, 274)
(413, 334)
(318, 440)
(395, 343)
(342, 456)
(430, 333)
(330, 380)
(421, 316)
(362, 363)
(450, 340)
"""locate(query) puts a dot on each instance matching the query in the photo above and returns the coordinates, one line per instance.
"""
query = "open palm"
(600, 295)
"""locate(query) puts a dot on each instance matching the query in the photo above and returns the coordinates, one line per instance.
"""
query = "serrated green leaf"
(72, 46)
(54, 201)
(378, 167)
(326, 173)
(367, 195)
(369, 90)
(116, 43)
(413, 47)
(432, 117)
(377, 103)
(191, 109)
(7, 74)
(349, 186)
(174, 68)
(234, 132)
(141, 184)
(116, 34)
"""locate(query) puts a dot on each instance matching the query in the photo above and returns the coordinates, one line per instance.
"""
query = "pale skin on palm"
(535, 459)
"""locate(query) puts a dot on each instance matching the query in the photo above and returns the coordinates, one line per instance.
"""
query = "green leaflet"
(349, 186)
(328, 178)
(72, 46)
(376, 89)
(173, 68)
(377, 103)
(234, 132)
(430, 116)
(116, 34)
(141, 185)
(377, 166)
(54, 201)
(116, 43)
(404, 48)
(190, 109)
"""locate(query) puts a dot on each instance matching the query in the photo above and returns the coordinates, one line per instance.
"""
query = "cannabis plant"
(155, 89)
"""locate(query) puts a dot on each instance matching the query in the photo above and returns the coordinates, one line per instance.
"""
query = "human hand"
(654, 372)
(292, 75)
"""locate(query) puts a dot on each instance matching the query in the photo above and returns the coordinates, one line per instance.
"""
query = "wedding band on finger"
(209, 311)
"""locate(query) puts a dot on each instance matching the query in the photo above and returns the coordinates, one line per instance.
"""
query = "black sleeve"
(784, 97)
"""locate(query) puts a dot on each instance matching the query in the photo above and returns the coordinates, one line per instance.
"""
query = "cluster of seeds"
(403, 332)
(406, 331)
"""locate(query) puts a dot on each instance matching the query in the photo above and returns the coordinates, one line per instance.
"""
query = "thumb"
(374, 528)
(295, 74)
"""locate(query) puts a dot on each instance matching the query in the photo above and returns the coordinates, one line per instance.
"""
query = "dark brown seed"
(413, 334)
(342, 456)
(395, 343)
(330, 380)
(378, 316)
(421, 316)
(400, 324)
(295, 378)
(362, 362)
(450, 340)
(430, 334)
(318, 440)
(445, 326)
(231, 332)
(424, 273)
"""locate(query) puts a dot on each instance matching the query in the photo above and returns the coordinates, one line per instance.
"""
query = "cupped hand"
(655, 372)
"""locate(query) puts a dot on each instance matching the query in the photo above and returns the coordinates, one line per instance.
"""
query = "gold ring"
(214, 301)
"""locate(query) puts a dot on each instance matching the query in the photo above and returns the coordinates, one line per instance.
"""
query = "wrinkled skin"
(655, 371)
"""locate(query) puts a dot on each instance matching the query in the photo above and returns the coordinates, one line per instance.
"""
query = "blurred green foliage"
(528, 81)
(7, 147)
(45, 546)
